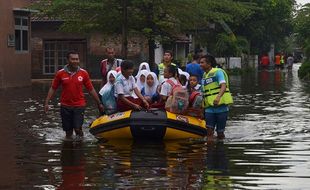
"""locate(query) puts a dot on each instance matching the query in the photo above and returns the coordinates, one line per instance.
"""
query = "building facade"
(15, 30)
(50, 45)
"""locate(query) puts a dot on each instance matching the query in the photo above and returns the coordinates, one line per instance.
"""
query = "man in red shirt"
(265, 61)
(111, 63)
(72, 78)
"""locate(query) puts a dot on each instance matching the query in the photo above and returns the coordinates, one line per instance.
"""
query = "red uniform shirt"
(277, 60)
(72, 87)
(265, 60)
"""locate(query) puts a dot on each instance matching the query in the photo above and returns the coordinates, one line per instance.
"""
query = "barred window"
(54, 56)
(21, 34)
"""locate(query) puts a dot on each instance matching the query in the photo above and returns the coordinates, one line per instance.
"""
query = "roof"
(39, 16)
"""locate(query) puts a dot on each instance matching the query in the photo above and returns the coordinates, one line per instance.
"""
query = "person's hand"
(148, 98)
(147, 105)
(46, 108)
(217, 100)
(100, 108)
(136, 107)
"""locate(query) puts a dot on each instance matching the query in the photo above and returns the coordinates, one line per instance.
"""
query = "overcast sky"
(302, 1)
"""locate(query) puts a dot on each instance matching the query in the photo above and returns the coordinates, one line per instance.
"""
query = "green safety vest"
(161, 68)
(211, 88)
(282, 60)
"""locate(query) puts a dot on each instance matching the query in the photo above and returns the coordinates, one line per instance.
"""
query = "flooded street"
(267, 144)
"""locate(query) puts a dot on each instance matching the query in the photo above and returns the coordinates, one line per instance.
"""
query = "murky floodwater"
(267, 145)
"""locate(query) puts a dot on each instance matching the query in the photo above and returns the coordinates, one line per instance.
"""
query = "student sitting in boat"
(127, 91)
(144, 66)
(172, 92)
(171, 79)
(149, 91)
(195, 97)
(141, 78)
(194, 84)
(107, 93)
(183, 78)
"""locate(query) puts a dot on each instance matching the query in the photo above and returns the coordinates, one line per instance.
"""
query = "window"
(54, 56)
(21, 34)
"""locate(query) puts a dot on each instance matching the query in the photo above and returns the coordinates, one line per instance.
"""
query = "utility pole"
(151, 41)
(124, 29)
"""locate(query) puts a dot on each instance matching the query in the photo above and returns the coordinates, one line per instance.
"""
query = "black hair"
(172, 70)
(169, 51)
(126, 64)
(71, 52)
(196, 56)
(210, 59)
(193, 75)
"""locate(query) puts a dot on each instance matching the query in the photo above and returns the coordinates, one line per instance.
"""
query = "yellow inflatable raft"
(155, 124)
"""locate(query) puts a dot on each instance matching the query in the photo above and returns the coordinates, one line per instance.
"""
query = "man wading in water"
(72, 78)
(217, 97)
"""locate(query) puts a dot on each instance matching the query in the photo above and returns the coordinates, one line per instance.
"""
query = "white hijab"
(147, 67)
(108, 85)
(151, 90)
(139, 83)
(186, 74)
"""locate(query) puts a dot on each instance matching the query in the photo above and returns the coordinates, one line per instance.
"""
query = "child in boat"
(144, 66)
(173, 92)
(194, 84)
(149, 91)
(141, 78)
(170, 74)
(107, 93)
(195, 97)
(127, 91)
(183, 78)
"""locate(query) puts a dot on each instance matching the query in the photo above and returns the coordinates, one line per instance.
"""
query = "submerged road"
(267, 144)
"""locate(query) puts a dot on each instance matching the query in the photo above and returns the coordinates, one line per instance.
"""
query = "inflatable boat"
(151, 124)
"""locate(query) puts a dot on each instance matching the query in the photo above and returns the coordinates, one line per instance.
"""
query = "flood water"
(267, 145)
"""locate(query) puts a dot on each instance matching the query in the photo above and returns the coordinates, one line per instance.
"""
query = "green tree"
(157, 20)
(302, 28)
(270, 23)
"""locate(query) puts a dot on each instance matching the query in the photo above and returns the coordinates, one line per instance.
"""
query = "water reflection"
(217, 167)
(163, 165)
(72, 166)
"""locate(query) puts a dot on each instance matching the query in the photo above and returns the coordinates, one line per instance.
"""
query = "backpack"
(195, 105)
(195, 100)
(177, 102)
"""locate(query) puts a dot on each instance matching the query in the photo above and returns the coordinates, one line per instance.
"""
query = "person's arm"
(220, 94)
(94, 94)
(164, 92)
(55, 84)
(49, 96)
(155, 97)
(91, 90)
(137, 92)
(222, 82)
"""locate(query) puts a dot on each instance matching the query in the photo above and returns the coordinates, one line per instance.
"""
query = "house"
(15, 30)
(50, 46)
